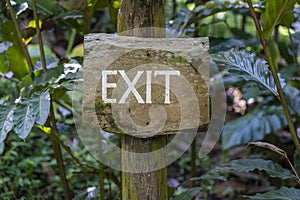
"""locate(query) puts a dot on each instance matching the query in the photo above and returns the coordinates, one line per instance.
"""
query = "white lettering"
(131, 85)
(131, 88)
(106, 85)
(167, 74)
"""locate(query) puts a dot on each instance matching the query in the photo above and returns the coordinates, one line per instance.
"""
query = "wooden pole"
(151, 185)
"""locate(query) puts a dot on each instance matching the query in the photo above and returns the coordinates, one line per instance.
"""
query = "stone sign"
(146, 86)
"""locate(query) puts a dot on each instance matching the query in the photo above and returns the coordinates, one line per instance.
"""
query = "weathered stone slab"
(146, 86)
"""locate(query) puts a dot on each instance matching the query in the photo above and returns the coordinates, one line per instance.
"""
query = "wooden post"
(152, 185)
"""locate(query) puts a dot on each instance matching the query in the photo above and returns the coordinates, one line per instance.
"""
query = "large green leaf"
(48, 76)
(40, 105)
(245, 165)
(248, 67)
(253, 126)
(283, 193)
(16, 60)
(277, 12)
(188, 194)
(24, 119)
(6, 121)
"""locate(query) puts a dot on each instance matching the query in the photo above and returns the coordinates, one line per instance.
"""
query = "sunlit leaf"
(246, 165)
(40, 105)
(248, 67)
(23, 119)
(253, 126)
(6, 121)
(277, 12)
(283, 193)
(16, 60)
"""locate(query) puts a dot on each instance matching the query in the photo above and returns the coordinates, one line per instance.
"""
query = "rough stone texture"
(112, 52)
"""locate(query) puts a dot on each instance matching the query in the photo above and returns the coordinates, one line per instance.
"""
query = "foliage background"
(28, 167)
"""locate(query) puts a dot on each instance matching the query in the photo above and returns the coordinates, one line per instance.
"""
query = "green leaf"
(48, 76)
(245, 165)
(187, 194)
(23, 119)
(253, 126)
(40, 105)
(14, 54)
(283, 193)
(248, 67)
(277, 12)
(6, 121)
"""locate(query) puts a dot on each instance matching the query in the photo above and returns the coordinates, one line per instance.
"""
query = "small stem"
(71, 41)
(40, 39)
(294, 170)
(282, 99)
(58, 155)
(276, 79)
(24, 49)
(54, 131)
(87, 18)
(256, 22)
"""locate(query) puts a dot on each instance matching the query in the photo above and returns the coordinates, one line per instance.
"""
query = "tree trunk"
(134, 14)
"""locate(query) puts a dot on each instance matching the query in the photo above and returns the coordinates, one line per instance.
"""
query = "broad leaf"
(245, 165)
(248, 67)
(188, 194)
(48, 76)
(253, 126)
(283, 193)
(6, 121)
(40, 105)
(277, 12)
(23, 119)
(14, 54)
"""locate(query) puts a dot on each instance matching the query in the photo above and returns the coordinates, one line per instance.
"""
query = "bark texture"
(135, 14)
